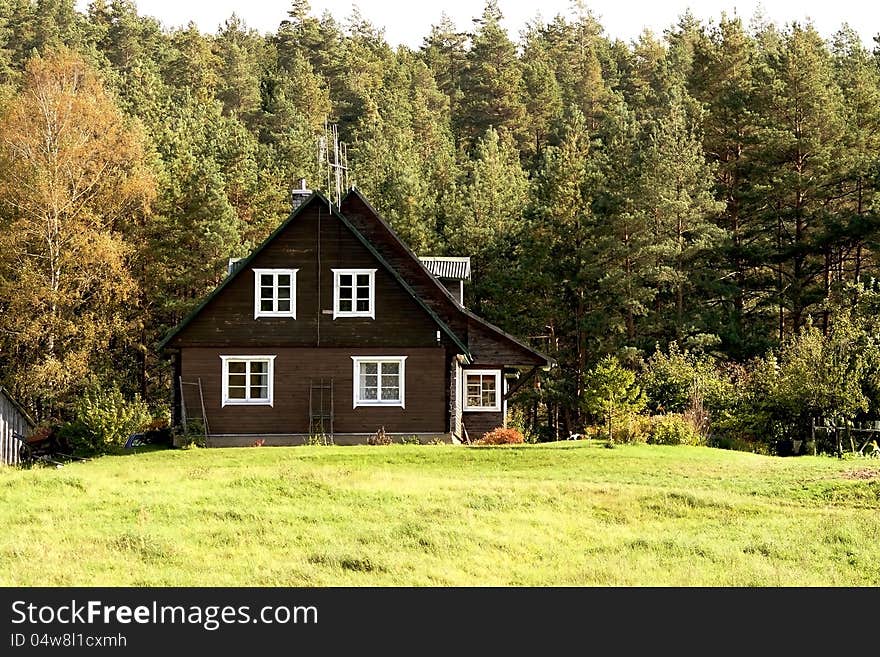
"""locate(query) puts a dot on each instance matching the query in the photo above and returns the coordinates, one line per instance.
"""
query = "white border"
(248, 402)
(271, 313)
(498, 391)
(371, 313)
(356, 379)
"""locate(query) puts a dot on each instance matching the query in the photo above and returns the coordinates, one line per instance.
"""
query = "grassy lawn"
(565, 514)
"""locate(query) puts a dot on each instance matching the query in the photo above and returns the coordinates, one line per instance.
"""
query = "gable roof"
(449, 300)
(21, 409)
(243, 263)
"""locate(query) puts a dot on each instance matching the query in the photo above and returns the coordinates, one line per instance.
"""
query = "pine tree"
(492, 84)
(237, 49)
(542, 92)
(676, 195)
(562, 237)
(728, 91)
(801, 131)
(444, 53)
(856, 217)
(486, 217)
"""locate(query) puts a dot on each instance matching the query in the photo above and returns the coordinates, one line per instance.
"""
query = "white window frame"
(275, 273)
(498, 392)
(371, 313)
(247, 401)
(356, 374)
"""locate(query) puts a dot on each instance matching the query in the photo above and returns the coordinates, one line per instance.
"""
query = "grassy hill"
(565, 514)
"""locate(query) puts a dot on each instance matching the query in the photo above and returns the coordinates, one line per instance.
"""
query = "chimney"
(299, 195)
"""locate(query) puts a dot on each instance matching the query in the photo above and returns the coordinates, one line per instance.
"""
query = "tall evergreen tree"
(676, 195)
(801, 153)
(488, 210)
(491, 83)
(856, 217)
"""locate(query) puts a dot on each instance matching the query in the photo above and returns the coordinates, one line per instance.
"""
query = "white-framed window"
(248, 380)
(379, 380)
(354, 293)
(275, 293)
(482, 390)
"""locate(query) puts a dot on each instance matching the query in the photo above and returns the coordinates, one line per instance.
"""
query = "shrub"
(611, 392)
(104, 419)
(674, 429)
(410, 440)
(380, 438)
(678, 380)
(634, 430)
(502, 436)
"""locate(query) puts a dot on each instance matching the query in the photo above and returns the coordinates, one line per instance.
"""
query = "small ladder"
(201, 406)
(321, 409)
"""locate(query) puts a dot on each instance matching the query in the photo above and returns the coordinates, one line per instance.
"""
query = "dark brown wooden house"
(334, 327)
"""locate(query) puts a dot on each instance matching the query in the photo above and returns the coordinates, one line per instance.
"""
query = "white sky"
(408, 22)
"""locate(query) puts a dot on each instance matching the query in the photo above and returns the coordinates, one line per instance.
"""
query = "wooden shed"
(13, 419)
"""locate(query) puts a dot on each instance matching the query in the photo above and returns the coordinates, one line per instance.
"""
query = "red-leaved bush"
(501, 436)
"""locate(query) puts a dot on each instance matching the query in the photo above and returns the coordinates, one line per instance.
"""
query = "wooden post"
(182, 404)
(813, 433)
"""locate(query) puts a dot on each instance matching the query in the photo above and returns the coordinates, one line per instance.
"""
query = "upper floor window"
(275, 293)
(354, 293)
(248, 380)
(379, 381)
(482, 390)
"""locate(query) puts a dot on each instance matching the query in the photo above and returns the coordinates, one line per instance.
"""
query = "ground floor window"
(482, 390)
(379, 380)
(248, 380)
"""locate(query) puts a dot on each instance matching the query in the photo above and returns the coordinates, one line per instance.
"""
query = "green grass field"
(566, 514)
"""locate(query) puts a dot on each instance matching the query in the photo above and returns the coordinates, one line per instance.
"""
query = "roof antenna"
(333, 155)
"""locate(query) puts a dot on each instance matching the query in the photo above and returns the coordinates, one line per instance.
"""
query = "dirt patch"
(862, 474)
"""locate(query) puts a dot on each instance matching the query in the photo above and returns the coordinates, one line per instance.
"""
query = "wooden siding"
(409, 267)
(479, 422)
(426, 391)
(490, 349)
(315, 242)
(11, 420)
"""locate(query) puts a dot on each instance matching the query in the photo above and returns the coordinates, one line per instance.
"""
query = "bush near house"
(502, 436)
(104, 419)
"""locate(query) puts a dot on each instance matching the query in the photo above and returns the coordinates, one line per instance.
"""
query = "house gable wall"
(315, 243)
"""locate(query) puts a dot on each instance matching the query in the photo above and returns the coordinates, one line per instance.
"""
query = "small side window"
(482, 390)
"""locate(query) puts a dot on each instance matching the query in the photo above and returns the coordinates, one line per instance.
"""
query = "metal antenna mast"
(333, 155)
